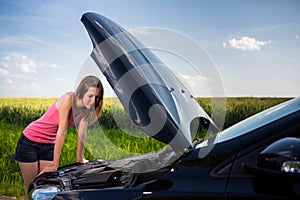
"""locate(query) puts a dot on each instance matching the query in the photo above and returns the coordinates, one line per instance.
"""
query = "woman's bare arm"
(81, 141)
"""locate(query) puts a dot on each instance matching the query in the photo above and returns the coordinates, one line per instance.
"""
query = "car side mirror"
(282, 155)
(280, 159)
(278, 167)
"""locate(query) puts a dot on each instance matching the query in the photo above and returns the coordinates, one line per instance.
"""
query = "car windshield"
(259, 120)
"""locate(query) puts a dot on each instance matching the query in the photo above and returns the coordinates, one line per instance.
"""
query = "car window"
(259, 120)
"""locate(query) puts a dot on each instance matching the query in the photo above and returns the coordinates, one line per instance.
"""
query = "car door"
(249, 180)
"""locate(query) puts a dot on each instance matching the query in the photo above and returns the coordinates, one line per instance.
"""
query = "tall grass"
(17, 113)
(240, 108)
(10, 176)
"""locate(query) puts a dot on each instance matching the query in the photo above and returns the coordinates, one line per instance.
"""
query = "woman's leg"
(29, 171)
(46, 153)
(44, 164)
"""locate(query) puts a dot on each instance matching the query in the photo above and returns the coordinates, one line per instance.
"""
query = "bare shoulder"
(65, 101)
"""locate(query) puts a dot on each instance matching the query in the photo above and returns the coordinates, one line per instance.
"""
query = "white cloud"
(4, 64)
(21, 86)
(197, 85)
(297, 37)
(246, 44)
(4, 72)
(28, 66)
(7, 58)
(53, 65)
(23, 62)
(35, 86)
(19, 40)
(139, 32)
(61, 79)
(10, 81)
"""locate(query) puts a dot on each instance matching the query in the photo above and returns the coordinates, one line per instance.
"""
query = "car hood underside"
(155, 99)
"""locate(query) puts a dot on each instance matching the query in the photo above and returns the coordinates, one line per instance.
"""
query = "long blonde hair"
(91, 116)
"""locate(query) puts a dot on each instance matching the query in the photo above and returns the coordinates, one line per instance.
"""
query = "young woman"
(39, 146)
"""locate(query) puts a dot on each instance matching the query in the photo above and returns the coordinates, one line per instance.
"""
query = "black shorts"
(29, 151)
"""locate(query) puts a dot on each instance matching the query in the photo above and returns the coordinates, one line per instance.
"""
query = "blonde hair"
(92, 115)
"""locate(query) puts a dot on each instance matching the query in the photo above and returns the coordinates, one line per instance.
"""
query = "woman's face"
(90, 97)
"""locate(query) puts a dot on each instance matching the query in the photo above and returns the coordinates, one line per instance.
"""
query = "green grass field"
(16, 113)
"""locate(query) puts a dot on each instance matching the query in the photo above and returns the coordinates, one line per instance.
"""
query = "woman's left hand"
(83, 161)
(48, 169)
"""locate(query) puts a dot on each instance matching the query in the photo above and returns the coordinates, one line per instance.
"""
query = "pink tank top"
(44, 129)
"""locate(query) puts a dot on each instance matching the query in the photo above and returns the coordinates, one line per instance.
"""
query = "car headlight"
(45, 192)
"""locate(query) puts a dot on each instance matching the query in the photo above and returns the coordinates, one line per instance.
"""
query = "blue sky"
(255, 45)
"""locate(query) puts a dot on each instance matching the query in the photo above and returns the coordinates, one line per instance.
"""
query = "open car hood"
(155, 99)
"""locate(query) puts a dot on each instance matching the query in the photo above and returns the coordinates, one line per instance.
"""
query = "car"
(257, 158)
